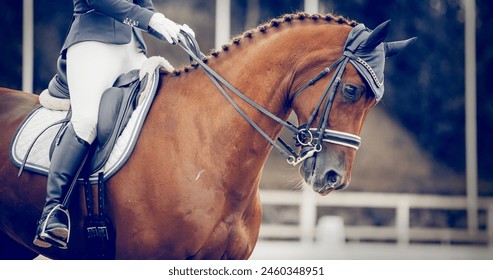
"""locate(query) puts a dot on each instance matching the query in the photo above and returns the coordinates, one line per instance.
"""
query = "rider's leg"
(68, 157)
(92, 67)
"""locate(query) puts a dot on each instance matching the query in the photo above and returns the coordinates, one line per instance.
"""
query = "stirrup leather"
(47, 237)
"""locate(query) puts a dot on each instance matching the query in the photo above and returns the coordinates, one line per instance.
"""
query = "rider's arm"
(141, 15)
(126, 12)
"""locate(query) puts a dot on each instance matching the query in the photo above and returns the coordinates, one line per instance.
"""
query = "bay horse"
(190, 189)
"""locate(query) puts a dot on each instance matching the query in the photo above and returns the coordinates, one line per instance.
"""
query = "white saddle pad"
(41, 119)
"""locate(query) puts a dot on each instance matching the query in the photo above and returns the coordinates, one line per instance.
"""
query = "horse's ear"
(392, 48)
(377, 36)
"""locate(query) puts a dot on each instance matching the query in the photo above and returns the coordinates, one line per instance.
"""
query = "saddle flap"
(116, 107)
(108, 115)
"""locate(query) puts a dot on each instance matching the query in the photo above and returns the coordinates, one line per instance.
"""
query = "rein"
(309, 138)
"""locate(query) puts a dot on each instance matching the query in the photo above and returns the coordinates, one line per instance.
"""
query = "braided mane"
(262, 28)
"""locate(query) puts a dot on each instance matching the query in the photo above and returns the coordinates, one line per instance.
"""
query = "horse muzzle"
(323, 178)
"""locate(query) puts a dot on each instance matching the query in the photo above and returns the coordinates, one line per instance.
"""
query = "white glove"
(187, 29)
(165, 27)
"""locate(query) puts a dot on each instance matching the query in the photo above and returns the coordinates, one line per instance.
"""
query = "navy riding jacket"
(106, 21)
(109, 21)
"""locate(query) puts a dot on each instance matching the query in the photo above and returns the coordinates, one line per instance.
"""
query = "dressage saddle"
(116, 108)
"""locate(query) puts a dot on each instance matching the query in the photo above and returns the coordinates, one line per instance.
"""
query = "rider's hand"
(187, 29)
(165, 27)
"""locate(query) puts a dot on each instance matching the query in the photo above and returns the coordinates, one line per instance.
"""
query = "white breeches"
(92, 67)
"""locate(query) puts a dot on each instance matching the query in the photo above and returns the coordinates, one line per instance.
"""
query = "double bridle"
(306, 136)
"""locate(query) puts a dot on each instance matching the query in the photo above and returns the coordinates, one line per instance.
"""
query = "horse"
(190, 190)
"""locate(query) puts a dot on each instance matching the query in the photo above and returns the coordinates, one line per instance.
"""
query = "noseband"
(306, 136)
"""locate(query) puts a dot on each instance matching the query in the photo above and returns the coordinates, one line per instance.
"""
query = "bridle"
(311, 138)
(306, 136)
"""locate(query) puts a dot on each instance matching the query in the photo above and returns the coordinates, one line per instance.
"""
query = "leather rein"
(309, 138)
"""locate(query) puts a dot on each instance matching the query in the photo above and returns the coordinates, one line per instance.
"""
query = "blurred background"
(413, 194)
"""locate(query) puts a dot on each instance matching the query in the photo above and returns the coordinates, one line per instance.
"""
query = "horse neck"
(264, 69)
(269, 66)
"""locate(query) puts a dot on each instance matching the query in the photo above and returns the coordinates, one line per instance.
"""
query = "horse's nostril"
(333, 179)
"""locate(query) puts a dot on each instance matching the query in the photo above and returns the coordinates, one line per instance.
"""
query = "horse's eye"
(351, 92)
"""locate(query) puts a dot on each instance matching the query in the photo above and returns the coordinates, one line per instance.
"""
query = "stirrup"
(53, 239)
(45, 240)
(41, 242)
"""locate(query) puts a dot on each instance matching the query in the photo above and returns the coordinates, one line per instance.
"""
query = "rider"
(104, 41)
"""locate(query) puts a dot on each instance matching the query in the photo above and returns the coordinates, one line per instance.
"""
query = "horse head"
(333, 121)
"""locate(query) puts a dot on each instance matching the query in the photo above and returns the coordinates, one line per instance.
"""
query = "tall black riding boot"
(67, 160)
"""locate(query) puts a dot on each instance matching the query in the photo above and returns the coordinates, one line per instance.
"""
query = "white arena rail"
(401, 232)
